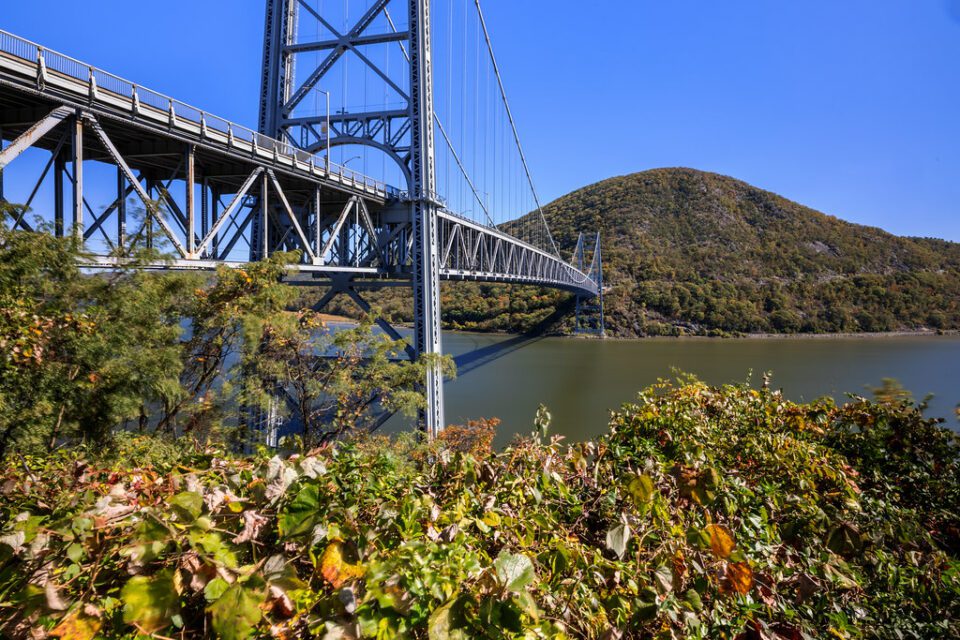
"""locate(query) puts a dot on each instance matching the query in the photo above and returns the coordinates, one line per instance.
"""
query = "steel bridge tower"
(406, 135)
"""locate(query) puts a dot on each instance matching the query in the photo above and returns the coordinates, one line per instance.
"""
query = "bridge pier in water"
(589, 309)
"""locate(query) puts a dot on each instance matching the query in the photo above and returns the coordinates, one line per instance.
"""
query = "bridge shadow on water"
(467, 362)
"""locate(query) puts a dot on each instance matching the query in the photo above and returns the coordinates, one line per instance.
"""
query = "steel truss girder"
(476, 252)
(374, 242)
(359, 237)
(32, 135)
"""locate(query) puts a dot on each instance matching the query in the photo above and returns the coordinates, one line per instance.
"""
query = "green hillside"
(689, 252)
(698, 251)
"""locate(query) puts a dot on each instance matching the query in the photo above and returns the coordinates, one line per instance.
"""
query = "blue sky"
(847, 106)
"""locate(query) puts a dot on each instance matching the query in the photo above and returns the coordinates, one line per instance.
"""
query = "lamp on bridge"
(326, 128)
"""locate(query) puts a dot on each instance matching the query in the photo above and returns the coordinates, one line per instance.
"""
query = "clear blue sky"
(848, 106)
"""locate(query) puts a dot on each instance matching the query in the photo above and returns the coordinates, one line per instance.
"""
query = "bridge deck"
(343, 222)
(151, 125)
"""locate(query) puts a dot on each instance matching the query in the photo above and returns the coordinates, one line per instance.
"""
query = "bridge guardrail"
(99, 80)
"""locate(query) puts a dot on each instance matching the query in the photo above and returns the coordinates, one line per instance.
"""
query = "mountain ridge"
(694, 252)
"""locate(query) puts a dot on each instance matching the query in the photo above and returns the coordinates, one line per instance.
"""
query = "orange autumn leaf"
(721, 540)
(335, 569)
(679, 564)
(738, 578)
(77, 626)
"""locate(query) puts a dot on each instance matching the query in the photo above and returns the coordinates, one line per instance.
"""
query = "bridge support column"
(78, 176)
(589, 310)
(423, 213)
(264, 238)
(59, 168)
(190, 186)
(204, 208)
(317, 229)
(426, 311)
(121, 208)
(214, 214)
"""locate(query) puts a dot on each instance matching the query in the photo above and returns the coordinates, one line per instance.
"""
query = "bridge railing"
(103, 81)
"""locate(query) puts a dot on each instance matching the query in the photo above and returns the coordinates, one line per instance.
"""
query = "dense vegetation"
(693, 252)
(704, 513)
(83, 354)
(697, 251)
(468, 306)
(131, 507)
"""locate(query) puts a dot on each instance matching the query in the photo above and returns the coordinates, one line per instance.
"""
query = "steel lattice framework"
(214, 192)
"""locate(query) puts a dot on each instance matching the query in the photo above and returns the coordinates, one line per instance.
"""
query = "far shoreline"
(864, 335)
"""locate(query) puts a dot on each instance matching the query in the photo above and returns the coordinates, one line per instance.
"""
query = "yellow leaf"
(492, 518)
(77, 626)
(738, 578)
(335, 569)
(721, 540)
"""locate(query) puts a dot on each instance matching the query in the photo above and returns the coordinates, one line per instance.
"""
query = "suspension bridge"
(444, 193)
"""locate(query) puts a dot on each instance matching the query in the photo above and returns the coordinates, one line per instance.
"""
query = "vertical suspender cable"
(464, 184)
(449, 60)
(463, 103)
(513, 125)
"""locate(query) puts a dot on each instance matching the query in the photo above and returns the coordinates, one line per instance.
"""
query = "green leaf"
(515, 571)
(443, 622)
(214, 589)
(692, 598)
(646, 605)
(75, 552)
(187, 505)
(710, 479)
(845, 540)
(236, 613)
(481, 525)
(300, 515)
(150, 601)
(212, 546)
(618, 538)
(438, 627)
(641, 489)
(698, 537)
(150, 540)
(663, 578)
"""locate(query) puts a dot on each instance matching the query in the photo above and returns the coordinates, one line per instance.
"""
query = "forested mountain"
(692, 252)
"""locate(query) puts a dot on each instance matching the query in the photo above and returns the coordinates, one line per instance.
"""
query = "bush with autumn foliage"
(85, 354)
(704, 513)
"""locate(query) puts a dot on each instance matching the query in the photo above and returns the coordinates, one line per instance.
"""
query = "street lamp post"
(326, 163)
(343, 165)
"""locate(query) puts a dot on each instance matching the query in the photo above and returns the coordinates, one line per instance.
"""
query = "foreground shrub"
(705, 513)
(84, 355)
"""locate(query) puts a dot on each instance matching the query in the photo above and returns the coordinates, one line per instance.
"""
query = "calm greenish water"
(580, 381)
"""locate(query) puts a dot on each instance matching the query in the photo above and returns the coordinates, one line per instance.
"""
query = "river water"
(581, 380)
